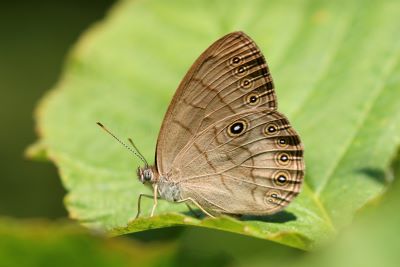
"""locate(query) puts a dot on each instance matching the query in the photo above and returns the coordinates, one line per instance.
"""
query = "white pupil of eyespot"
(236, 128)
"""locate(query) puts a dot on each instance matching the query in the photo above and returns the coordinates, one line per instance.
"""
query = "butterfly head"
(146, 175)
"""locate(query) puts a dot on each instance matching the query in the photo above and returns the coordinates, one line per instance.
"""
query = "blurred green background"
(35, 38)
(34, 41)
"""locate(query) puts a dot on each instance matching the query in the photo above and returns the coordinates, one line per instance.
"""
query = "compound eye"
(147, 175)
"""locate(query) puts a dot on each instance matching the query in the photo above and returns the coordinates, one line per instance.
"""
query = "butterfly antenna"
(135, 151)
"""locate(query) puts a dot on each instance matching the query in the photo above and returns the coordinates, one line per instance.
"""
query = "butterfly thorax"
(166, 189)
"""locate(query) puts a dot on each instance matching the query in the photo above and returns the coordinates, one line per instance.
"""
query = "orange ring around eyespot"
(246, 83)
(283, 162)
(285, 142)
(235, 58)
(267, 131)
(278, 174)
(244, 124)
(250, 101)
(269, 199)
(241, 71)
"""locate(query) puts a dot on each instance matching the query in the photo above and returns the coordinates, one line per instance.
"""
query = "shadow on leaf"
(280, 217)
(375, 174)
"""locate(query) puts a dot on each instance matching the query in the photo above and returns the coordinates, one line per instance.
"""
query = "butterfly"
(223, 146)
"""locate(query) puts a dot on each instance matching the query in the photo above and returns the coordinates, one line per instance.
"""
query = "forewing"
(231, 76)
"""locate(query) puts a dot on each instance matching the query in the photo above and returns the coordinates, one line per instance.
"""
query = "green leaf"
(372, 239)
(337, 72)
(41, 243)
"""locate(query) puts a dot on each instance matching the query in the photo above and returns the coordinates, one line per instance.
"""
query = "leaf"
(336, 68)
(41, 243)
(372, 239)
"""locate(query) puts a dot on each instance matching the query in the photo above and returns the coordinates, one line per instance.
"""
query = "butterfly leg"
(139, 201)
(197, 204)
(155, 194)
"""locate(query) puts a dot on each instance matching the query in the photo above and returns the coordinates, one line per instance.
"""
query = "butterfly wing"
(222, 140)
(247, 163)
(229, 77)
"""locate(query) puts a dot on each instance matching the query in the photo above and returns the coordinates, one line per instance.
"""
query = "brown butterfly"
(223, 146)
